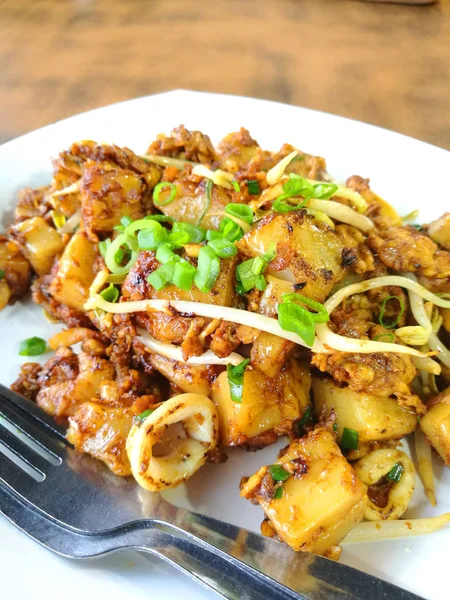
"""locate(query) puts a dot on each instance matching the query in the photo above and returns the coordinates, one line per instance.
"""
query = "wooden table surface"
(381, 63)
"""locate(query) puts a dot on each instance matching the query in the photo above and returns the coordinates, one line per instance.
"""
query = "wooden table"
(384, 64)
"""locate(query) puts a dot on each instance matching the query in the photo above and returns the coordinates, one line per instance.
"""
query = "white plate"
(406, 172)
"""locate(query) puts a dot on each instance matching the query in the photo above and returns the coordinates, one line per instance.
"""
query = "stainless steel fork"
(71, 504)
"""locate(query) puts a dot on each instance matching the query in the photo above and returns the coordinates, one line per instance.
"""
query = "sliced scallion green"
(240, 211)
(278, 473)
(395, 474)
(349, 439)
(110, 294)
(223, 247)
(33, 346)
(208, 268)
(235, 376)
(399, 315)
(253, 187)
(183, 275)
(157, 201)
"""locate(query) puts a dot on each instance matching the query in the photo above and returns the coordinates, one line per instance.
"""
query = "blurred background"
(386, 64)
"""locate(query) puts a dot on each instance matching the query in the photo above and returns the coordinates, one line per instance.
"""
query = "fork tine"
(15, 477)
(32, 409)
(33, 459)
(32, 429)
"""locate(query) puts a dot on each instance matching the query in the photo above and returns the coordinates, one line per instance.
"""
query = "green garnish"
(33, 346)
(240, 211)
(125, 221)
(306, 417)
(297, 319)
(110, 294)
(278, 493)
(395, 474)
(299, 186)
(162, 276)
(208, 191)
(183, 275)
(208, 268)
(230, 229)
(245, 275)
(253, 187)
(152, 236)
(383, 310)
(158, 189)
(390, 336)
(278, 473)
(261, 283)
(235, 375)
(165, 254)
(236, 186)
(335, 426)
(293, 316)
(139, 418)
(196, 234)
(349, 439)
(2, 274)
(223, 247)
(249, 273)
(103, 247)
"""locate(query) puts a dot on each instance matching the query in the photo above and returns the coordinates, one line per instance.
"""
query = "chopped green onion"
(196, 234)
(298, 157)
(208, 191)
(395, 474)
(278, 473)
(335, 426)
(162, 276)
(157, 192)
(2, 274)
(349, 439)
(390, 337)
(103, 247)
(208, 268)
(320, 315)
(306, 417)
(152, 237)
(117, 251)
(139, 418)
(236, 185)
(125, 221)
(223, 247)
(33, 346)
(183, 275)
(230, 229)
(236, 380)
(110, 294)
(211, 234)
(258, 265)
(165, 254)
(253, 187)
(299, 186)
(271, 253)
(240, 211)
(280, 205)
(278, 493)
(239, 288)
(177, 239)
(261, 283)
(383, 310)
(295, 318)
(246, 276)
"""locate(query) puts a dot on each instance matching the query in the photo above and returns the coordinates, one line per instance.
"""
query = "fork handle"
(271, 569)
(230, 578)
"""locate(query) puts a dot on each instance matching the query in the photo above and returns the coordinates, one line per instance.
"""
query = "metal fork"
(71, 504)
